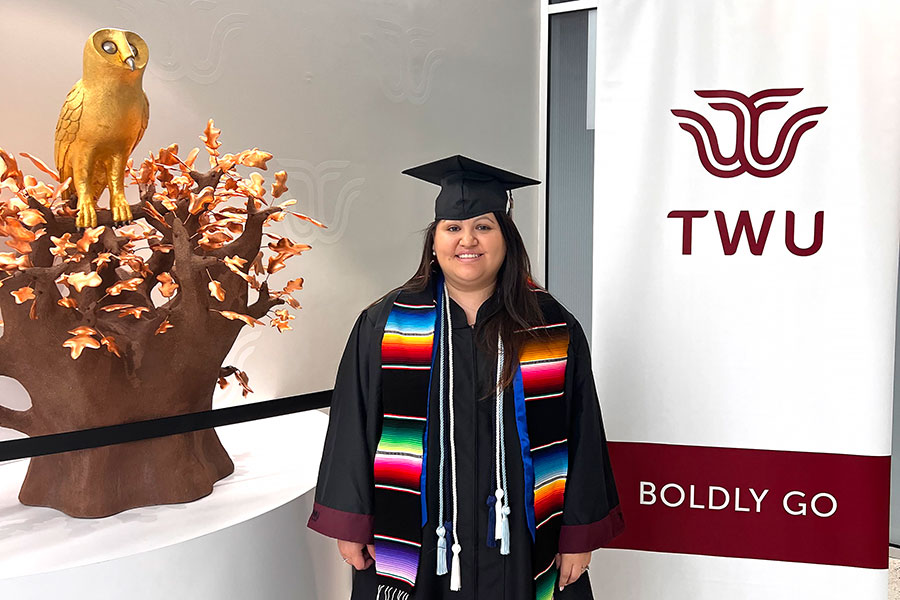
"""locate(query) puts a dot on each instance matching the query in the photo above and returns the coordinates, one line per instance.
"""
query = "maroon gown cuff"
(574, 539)
(341, 525)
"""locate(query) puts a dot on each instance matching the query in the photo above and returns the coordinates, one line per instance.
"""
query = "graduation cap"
(468, 188)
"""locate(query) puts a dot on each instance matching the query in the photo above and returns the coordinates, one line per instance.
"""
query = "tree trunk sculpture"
(124, 323)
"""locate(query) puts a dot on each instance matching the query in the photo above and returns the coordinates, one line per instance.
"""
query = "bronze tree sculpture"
(121, 323)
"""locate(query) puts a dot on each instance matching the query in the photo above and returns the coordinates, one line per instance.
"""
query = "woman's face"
(470, 252)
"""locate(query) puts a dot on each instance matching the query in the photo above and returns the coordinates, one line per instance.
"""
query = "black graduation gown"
(344, 494)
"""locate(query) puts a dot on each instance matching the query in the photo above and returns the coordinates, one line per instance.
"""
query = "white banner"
(744, 287)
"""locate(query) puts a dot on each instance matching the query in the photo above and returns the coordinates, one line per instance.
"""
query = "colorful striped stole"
(406, 358)
(407, 355)
(539, 390)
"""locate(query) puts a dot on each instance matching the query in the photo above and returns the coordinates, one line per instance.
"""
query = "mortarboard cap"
(468, 188)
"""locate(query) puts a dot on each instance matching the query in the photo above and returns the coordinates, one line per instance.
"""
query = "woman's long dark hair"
(518, 304)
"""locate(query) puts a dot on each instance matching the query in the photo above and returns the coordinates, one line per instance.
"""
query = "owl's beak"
(130, 62)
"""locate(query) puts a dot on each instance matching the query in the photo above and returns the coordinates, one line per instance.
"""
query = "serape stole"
(407, 354)
(540, 387)
(406, 358)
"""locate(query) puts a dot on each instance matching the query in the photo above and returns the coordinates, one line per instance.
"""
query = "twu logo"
(747, 156)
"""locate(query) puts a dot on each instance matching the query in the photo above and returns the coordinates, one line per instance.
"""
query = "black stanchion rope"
(153, 428)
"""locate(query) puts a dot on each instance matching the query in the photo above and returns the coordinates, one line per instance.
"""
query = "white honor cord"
(498, 408)
(455, 579)
(441, 531)
(502, 505)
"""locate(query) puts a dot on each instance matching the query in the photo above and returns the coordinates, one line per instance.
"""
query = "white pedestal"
(248, 539)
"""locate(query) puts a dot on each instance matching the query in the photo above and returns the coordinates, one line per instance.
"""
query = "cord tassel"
(498, 532)
(455, 584)
(504, 529)
(448, 527)
(441, 551)
(492, 519)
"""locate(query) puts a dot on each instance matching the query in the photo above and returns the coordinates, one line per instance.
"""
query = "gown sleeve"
(343, 506)
(591, 513)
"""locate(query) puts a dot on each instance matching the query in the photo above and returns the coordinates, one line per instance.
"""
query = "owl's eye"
(109, 47)
(133, 50)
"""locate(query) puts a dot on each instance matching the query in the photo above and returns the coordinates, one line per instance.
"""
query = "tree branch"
(38, 273)
(52, 225)
(90, 296)
(159, 263)
(110, 241)
(18, 420)
(40, 251)
(4, 356)
(104, 217)
(209, 179)
(42, 281)
(205, 262)
(191, 287)
(46, 297)
(161, 226)
(263, 304)
(248, 243)
(147, 193)
(228, 371)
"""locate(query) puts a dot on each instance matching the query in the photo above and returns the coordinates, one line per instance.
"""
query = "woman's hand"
(360, 556)
(571, 566)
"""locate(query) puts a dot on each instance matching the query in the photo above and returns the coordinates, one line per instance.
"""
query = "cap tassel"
(492, 519)
(441, 551)
(455, 584)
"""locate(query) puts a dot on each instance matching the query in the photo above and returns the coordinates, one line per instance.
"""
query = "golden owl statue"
(102, 120)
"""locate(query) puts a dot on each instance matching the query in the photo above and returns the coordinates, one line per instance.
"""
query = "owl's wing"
(67, 128)
(144, 120)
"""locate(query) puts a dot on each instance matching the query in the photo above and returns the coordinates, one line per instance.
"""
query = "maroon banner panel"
(830, 509)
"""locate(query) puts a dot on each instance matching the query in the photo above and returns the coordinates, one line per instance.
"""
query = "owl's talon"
(121, 213)
(87, 217)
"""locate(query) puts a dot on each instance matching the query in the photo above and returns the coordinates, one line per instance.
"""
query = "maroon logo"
(747, 157)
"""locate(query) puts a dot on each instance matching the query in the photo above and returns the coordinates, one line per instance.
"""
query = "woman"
(465, 456)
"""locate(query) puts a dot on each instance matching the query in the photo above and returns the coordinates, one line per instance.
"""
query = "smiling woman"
(465, 404)
(470, 253)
